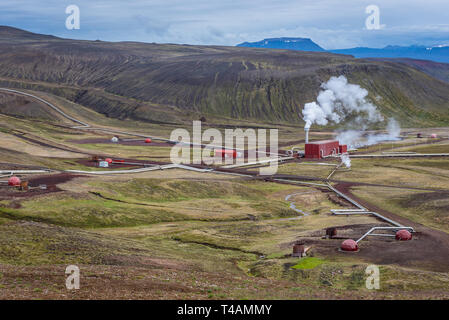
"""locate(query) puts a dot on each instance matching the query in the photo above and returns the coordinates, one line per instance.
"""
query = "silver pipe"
(301, 182)
(383, 228)
(386, 219)
(318, 164)
(348, 213)
(346, 197)
(12, 172)
(353, 210)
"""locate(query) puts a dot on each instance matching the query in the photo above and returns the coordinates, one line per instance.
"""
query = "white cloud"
(330, 23)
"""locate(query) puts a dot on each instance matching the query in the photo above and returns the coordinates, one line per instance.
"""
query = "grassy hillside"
(166, 82)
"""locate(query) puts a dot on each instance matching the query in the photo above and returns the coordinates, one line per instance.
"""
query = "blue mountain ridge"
(435, 53)
(303, 44)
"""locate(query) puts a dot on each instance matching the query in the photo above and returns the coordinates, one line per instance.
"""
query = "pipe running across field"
(356, 204)
(369, 233)
(280, 158)
(12, 172)
(401, 155)
(238, 165)
(361, 211)
(86, 126)
(333, 171)
(83, 125)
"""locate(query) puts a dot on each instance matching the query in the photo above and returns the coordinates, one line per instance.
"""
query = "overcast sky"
(330, 23)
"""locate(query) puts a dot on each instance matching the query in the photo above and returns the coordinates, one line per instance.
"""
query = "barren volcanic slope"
(154, 81)
(435, 69)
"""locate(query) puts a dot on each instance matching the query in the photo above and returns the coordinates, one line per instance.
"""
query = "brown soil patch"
(154, 283)
(429, 248)
(51, 181)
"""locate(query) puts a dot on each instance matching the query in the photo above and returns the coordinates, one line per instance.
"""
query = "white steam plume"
(338, 100)
(346, 160)
(357, 139)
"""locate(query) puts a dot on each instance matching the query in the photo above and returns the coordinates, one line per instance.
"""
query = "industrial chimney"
(307, 134)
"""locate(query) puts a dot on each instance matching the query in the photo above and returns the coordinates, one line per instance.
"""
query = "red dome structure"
(147, 140)
(403, 235)
(108, 160)
(349, 245)
(14, 181)
(433, 135)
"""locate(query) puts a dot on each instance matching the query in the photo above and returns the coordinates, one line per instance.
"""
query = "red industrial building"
(225, 153)
(324, 148)
(343, 149)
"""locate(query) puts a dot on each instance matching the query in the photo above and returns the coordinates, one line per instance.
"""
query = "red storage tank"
(349, 245)
(225, 153)
(14, 181)
(108, 160)
(403, 235)
(147, 140)
(320, 149)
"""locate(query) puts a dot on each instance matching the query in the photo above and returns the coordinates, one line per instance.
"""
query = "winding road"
(82, 124)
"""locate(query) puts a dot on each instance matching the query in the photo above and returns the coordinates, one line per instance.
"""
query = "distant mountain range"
(435, 53)
(303, 44)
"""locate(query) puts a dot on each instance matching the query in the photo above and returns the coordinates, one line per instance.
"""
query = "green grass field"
(181, 234)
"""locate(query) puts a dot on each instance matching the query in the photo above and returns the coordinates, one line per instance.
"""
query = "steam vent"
(403, 235)
(349, 245)
(14, 181)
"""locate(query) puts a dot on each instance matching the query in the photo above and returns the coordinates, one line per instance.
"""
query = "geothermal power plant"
(310, 192)
(323, 149)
